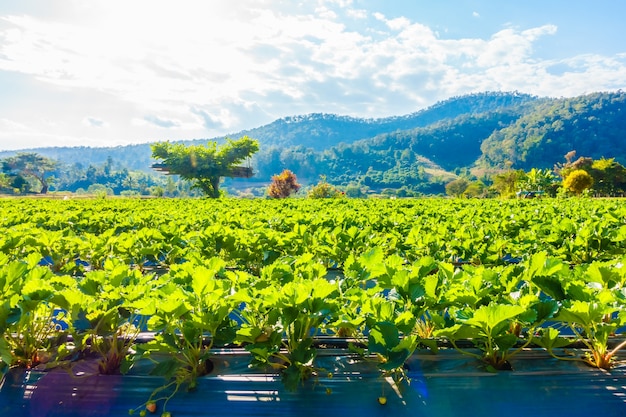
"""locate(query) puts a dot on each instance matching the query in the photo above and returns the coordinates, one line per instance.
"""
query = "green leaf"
(545, 310)
(579, 292)
(166, 368)
(304, 353)
(202, 278)
(489, 317)
(550, 339)
(541, 265)
(583, 313)
(459, 332)
(395, 359)
(261, 353)
(602, 274)
(405, 322)
(505, 341)
(11, 275)
(322, 289)
(408, 343)
(373, 262)
(191, 332)
(431, 283)
(552, 286)
(383, 337)
(5, 353)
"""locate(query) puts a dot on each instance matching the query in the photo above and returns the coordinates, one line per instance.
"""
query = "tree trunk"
(210, 186)
(44, 184)
(215, 185)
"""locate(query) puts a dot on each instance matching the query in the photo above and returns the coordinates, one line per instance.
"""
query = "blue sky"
(113, 72)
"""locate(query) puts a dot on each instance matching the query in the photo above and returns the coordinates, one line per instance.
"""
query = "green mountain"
(420, 151)
(315, 131)
(593, 125)
(322, 131)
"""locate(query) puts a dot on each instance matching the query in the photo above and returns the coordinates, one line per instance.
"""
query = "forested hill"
(322, 131)
(315, 131)
(486, 130)
(593, 125)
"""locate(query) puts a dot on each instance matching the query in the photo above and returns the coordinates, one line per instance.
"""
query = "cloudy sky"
(112, 72)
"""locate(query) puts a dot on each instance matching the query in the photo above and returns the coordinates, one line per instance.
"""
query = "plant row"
(75, 236)
(384, 306)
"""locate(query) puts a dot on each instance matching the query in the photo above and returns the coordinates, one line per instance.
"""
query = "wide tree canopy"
(206, 165)
(30, 165)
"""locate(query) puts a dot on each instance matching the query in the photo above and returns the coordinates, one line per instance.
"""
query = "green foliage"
(190, 314)
(393, 351)
(109, 308)
(578, 181)
(506, 183)
(540, 180)
(609, 176)
(30, 165)
(299, 310)
(324, 190)
(5, 181)
(475, 189)
(593, 309)
(204, 166)
(274, 276)
(29, 314)
(591, 124)
(457, 187)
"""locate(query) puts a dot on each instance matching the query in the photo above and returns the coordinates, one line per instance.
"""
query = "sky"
(116, 72)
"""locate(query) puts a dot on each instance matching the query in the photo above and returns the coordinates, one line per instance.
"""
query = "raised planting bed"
(442, 385)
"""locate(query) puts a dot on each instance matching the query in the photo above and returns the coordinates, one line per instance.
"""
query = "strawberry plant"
(391, 349)
(109, 308)
(191, 317)
(592, 308)
(280, 323)
(30, 320)
(493, 329)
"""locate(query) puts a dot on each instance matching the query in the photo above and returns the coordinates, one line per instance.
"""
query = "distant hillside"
(315, 131)
(419, 151)
(322, 131)
(451, 143)
(593, 125)
(132, 157)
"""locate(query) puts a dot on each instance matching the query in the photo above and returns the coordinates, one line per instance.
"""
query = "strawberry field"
(309, 294)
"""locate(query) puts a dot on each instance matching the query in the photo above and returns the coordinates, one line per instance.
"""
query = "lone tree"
(324, 190)
(30, 164)
(578, 181)
(206, 165)
(457, 187)
(283, 185)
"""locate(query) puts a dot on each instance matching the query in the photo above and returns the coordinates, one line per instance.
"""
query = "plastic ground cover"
(442, 385)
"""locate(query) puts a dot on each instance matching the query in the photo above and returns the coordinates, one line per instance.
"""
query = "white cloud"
(194, 68)
(379, 16)
(161, 121)
(340, 3)
(357, 13)
(94, 122)
(398, 23)
(12, 126)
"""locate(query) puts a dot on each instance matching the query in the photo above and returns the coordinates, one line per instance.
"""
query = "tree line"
(200, 170)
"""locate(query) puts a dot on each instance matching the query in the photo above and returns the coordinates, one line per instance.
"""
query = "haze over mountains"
(483, 132)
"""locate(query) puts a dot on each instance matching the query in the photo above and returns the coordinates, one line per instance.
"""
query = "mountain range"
(479, 132)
